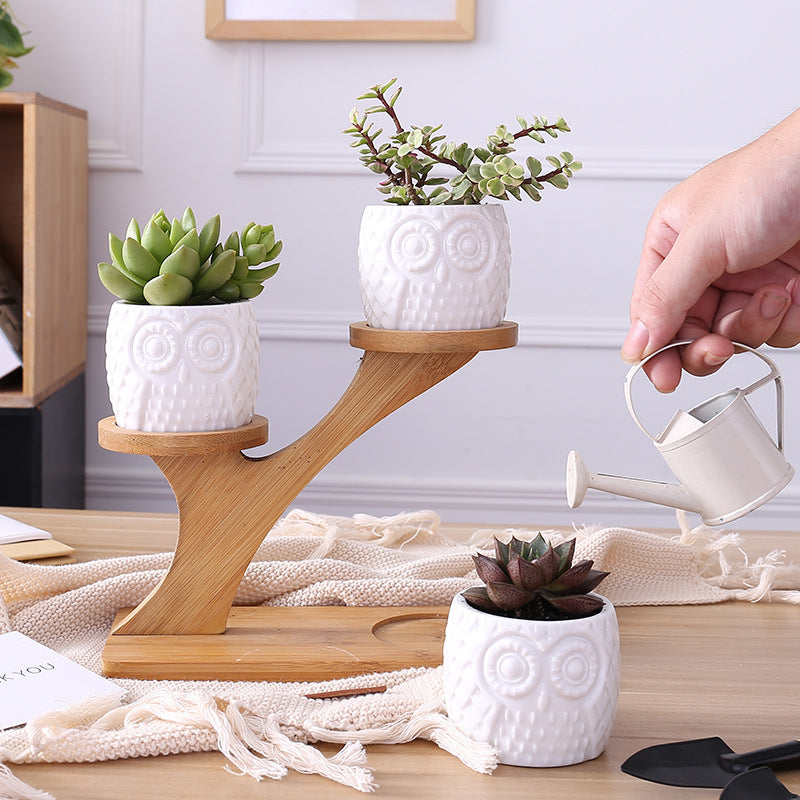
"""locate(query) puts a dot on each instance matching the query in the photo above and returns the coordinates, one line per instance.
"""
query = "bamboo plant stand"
(186, 627)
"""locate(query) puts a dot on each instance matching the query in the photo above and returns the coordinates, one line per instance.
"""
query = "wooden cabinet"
(43, 239)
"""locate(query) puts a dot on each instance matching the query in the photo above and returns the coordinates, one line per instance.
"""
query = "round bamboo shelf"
(366, 337)
(122, 440)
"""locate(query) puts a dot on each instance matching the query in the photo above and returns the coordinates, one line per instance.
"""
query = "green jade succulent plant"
(407, 158)
(534, 580)
(11, 45)
(171, 263)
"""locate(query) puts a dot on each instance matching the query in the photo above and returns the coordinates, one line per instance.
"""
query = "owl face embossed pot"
(182, 368)
(544, 693)
(434, 267)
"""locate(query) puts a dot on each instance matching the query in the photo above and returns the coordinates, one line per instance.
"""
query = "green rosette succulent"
(534, 580)
(409, 159)
(172, 263)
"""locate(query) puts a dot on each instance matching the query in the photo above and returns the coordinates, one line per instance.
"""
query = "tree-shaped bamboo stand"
(227, 502)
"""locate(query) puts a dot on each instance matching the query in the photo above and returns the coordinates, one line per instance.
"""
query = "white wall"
(253, 130)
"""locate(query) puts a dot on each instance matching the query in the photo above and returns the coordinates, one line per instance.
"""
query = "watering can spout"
(579, 479)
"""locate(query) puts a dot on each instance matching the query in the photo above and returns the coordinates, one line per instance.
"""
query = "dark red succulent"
(534, 580)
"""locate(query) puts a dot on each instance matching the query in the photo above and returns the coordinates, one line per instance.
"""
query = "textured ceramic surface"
(182, 368)
(434, 267)
(544, 693)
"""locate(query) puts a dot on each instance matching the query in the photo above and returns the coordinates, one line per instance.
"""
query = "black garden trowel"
(707, 763)
(757, 784)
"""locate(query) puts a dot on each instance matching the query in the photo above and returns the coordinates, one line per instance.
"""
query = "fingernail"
(772, 305)
(635, 342)
(713, 360)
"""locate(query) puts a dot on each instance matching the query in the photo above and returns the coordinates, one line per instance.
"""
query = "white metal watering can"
(726, 462)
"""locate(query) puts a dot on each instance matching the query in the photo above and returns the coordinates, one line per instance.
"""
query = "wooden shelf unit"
(43, 239)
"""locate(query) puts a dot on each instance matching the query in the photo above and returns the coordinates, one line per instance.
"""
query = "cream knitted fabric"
(266, 728)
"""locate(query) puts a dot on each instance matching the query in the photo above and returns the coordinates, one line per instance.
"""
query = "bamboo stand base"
(307, 643)
(228, 502)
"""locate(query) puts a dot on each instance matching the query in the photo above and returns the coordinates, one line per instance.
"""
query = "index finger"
(695, 261)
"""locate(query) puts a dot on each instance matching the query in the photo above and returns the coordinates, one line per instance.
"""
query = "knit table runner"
(265, 729)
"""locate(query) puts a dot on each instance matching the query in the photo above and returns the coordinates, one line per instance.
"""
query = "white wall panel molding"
(118, 145)
(307, 326)
(523, 503)
(260, 154)
(598, 333)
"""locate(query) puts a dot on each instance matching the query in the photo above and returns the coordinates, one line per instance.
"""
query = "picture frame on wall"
(342, 20)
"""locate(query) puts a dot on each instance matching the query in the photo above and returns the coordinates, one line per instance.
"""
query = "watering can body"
(725, 460)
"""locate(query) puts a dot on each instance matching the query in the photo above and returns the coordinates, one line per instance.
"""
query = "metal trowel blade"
(692, 763)
(757, 784)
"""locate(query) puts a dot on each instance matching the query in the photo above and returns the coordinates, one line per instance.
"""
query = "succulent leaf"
(241, 269)
(133, 231)
(188, 220)
(176, 232)
(247, 291)
(479, 598)
(565, 552)
(228, 292)
(261, 274)
(538, 546)
(189, 239)
(168, 290)
(507, 596)
(528, 575)
(489, 571)
(119, 284)
(592, 581)
(208, 238)
(549, 564)
(115, 250)
(576, 605)
(571, 578)
(138, 260)
(184, 261)
(217, 274)
(255, 253)
(155, 241)
(502, 551)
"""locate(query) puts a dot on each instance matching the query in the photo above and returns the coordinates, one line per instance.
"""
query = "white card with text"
(12, 530)
(35, 679)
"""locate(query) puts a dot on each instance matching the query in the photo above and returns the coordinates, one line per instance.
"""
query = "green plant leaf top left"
(173, 264)
(11, 45)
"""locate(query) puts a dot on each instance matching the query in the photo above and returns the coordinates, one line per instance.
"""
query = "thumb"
(661, 304)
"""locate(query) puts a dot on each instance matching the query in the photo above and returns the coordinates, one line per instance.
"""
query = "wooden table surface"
(729, 670)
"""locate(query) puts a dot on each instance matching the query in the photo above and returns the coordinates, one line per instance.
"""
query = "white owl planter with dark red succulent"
(434, 267)
(520, 670)
(182, 346)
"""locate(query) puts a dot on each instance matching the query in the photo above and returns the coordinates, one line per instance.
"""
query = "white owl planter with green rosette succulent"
(182, 348)
(532, 659)
(434, 257)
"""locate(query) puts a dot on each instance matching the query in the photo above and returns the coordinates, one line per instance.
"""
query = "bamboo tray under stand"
(186, 628)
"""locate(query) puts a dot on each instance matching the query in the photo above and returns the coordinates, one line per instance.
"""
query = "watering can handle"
(774, 375)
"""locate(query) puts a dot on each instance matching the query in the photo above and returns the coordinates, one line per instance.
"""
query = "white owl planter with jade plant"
(434, 257)
(520, 670)
(182, 346)
(434, 267)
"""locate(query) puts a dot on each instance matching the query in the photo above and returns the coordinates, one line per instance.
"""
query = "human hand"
(721, 261)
